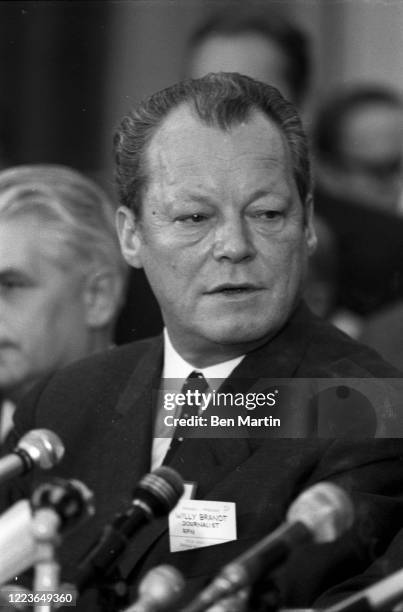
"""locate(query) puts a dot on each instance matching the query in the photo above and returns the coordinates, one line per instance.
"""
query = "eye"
(11, 284)
(195, 218)
(8, 284)
(269, 214)
(267, 219)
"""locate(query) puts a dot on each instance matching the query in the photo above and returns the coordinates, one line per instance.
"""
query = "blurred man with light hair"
(61, 273)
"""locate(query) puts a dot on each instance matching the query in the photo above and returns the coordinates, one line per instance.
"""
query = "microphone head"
(43, 447)
(160, 490)
(71, 500)
(162, 587)
(325, 509)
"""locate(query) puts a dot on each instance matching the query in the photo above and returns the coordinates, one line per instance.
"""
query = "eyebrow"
(256, 195)
(262, 193)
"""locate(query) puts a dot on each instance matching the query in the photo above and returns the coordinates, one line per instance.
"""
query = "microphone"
(67, 500)
(39, 447)
(320, 514)
(17, 540)
(161, 588)
(380, 596)
(55, 506)
(156, 495)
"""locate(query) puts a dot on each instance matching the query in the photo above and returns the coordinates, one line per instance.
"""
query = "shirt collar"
(176, 367)
(7, 409)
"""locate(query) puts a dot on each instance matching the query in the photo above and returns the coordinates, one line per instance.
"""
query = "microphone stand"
(45, 529)
(55, 506)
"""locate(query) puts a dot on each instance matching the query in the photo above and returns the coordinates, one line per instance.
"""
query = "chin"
(243, 332)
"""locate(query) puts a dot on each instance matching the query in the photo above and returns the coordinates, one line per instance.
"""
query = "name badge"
(195, 523)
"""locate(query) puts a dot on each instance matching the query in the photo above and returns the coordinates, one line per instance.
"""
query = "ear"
(103, 292)
(129, 236)
(310, 234)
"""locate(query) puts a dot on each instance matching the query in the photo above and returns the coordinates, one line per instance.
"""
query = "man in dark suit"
(214, 182)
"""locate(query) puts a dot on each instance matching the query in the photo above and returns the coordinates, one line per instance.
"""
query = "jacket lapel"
(281, 356)
(131, 433)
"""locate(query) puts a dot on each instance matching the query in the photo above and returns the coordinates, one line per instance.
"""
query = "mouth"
(234, 289)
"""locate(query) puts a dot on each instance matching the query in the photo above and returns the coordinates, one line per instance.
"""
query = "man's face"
(222, 237)
(42, 312)
(372, 150)
(251, 54)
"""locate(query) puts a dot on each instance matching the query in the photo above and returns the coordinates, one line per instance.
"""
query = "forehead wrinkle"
(207, 188)
(182, 126)
(175, 164)
(166, 167)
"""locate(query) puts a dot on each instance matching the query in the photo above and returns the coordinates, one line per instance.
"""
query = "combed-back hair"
(221, 100)
(77, 215)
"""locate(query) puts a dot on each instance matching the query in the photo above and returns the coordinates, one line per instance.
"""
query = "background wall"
(52, 75)
(70, 69)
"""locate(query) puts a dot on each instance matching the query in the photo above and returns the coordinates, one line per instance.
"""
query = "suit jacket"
(102, 410)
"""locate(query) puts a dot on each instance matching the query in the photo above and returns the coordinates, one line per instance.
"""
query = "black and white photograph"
(201, 305)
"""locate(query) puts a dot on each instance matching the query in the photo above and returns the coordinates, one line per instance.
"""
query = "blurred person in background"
(358, 141)
(61, 275)
(358, 145)
(259, 43)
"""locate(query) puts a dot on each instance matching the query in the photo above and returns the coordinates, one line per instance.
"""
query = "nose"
(232, 241)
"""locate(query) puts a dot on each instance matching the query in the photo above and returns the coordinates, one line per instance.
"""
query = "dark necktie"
(194, 382)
